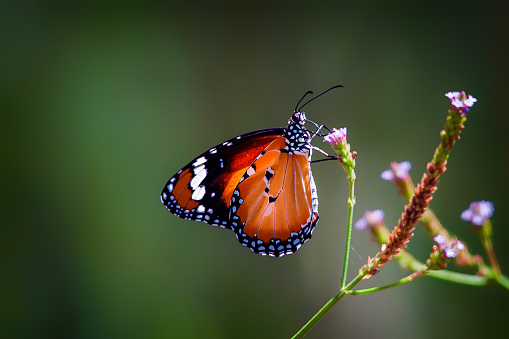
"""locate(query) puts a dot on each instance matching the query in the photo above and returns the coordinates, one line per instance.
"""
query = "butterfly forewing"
(202, 189)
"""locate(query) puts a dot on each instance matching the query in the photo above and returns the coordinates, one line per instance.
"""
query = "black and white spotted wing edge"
(203, 186)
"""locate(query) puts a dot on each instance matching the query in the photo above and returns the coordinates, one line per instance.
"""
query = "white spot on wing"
(200, 161)
(198, 169)
(198, 178)
(198, 193)
(250, 171)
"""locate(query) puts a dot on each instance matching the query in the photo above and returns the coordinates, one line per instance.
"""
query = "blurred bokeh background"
(101, 104)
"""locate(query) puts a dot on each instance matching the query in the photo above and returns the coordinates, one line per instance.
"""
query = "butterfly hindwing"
(275, 206)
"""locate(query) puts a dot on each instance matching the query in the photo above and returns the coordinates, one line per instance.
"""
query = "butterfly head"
(297, 118)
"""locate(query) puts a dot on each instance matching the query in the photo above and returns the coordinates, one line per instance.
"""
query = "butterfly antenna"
(305, 94)
(315, 97)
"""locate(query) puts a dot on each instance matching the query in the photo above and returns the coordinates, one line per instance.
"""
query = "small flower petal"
(375, 217)
(361, 224)
(387, 175)
(370, 219)
(440, 239)
(452, 95)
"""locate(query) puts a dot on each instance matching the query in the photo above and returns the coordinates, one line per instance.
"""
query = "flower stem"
(405, 280)
(423, 193)
(319, 315)
(503, 281)
(351, 204)
(455, 277)
(488, 247)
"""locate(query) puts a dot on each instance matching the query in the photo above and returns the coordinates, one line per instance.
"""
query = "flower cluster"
(337, 140)
(478, 212)
(450, 248)
(337, 137)
(443, 252)
(397, 171)
(398, 174)
(460, 100)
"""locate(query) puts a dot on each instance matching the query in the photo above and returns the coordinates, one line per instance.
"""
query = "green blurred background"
(101, 104)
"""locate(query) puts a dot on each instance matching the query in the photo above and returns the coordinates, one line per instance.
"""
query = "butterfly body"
(258, 184)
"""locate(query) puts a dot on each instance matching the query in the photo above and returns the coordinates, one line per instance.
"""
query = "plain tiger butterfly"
(259, 185)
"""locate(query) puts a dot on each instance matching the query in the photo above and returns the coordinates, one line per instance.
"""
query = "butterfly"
(259, 185)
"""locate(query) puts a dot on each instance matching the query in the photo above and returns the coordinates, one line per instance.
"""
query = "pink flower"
(460, 100)
(337, 137)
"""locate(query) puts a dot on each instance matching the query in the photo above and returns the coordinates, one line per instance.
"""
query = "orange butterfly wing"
(275, 206)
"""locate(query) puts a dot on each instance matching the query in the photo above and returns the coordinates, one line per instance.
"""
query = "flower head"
(478, 212)
(346, 158)
(397, 171)
(460, 100)
(370, 219)
(449, 247)
(337, 137)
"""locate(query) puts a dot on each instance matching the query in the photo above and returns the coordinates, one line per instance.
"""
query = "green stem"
(351, 204)
(405, 280)
(319, 315)
(488, 246)
(409, 262)
(503, 281)
(460, 278)
(486, 234)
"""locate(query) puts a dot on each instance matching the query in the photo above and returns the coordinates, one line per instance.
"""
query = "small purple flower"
(452, 249)
(478, 212)
(440, 239)
(370, 218)
(397, 171)
(337, 136)
(460, 100)
(449, 248)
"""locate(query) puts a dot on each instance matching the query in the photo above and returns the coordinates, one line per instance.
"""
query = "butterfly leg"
(320, 150)
(329, 157)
